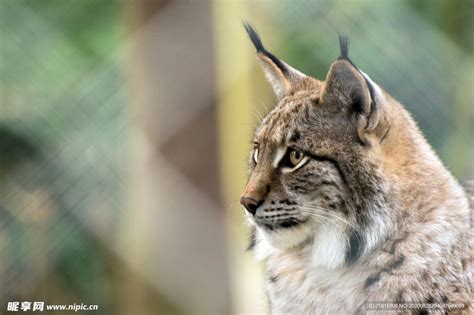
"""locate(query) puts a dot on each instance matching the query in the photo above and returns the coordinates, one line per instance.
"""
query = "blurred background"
(125, 127)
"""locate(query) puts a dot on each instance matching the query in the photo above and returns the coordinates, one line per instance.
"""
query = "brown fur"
(373, 215)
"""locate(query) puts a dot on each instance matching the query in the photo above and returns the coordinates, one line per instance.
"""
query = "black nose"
(250, 204)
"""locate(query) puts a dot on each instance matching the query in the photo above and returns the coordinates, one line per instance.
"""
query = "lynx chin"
(348, 203)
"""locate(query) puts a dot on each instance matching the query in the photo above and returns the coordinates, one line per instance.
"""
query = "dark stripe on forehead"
(295, 136)
(285, 116)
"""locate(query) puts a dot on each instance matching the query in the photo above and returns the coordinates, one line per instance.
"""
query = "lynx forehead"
(277, 126)
(347, 202)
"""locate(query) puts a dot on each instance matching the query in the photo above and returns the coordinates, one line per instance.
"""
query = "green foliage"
(61, 113)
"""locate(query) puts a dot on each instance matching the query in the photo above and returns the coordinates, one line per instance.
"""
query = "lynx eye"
(295, 157)
(292, 160)
(255, 155)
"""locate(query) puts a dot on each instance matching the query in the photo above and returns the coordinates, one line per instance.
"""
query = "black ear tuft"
(257, 42)
(344, 47)
(254, 37)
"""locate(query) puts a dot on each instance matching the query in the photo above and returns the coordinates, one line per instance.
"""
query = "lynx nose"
(250, 204)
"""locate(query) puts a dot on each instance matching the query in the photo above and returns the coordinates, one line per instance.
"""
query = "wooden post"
(176, 235)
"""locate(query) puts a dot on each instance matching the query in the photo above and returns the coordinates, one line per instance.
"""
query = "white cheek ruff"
(329, 248)
(268, 243)
(262, 249)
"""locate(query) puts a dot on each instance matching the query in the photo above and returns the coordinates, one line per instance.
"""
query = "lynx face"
(295, 177)
(313, 167)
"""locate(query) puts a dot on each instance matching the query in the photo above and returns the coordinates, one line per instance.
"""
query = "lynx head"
(313, 169)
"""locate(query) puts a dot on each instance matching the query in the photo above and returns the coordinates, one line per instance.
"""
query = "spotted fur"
(372, 215)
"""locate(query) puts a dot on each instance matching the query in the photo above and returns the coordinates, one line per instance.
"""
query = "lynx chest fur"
(347, 202)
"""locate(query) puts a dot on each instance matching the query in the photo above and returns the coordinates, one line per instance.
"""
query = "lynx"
(348, 204)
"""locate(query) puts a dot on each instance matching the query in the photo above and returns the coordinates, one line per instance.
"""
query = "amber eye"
(296, 157)
(255, 155)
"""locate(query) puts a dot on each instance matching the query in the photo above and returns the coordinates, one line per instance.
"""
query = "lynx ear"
(282, 77)
(353, 91)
